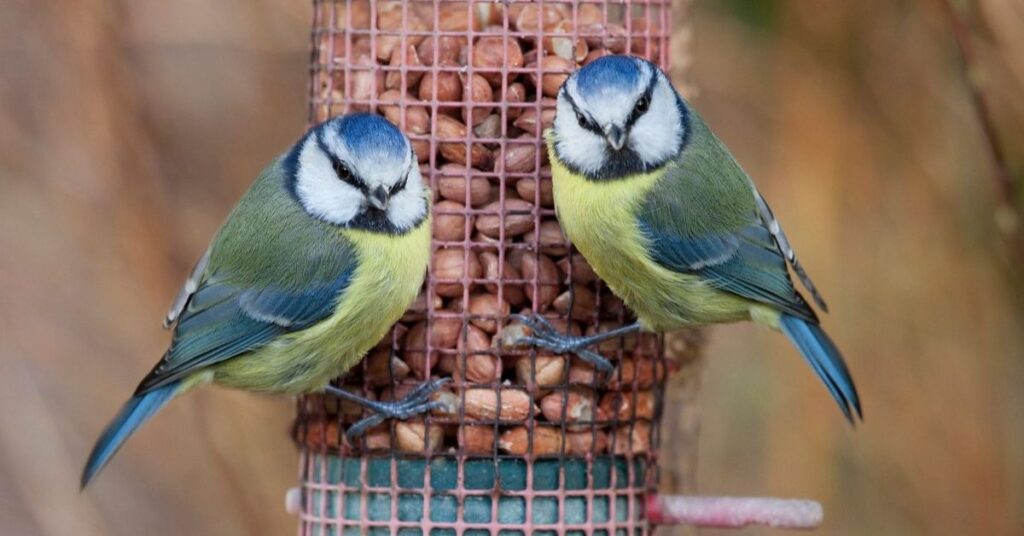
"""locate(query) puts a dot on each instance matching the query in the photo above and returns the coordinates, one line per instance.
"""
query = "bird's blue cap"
(366, 133)
(609, 74)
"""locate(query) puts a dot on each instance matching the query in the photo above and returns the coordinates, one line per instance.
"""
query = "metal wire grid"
(367, 57)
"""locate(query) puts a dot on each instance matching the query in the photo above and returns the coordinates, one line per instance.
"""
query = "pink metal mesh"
(472, 84)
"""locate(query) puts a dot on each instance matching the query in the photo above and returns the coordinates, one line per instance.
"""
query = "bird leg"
(416, 402)
(545, 335)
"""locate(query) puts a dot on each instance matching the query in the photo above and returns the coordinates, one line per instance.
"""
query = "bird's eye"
(582, 120)
(343, 172)
(643, 104)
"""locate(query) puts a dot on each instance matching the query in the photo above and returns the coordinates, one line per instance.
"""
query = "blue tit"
(664, 214)
(322, 254)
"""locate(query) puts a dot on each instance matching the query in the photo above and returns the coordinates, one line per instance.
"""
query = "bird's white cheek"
(407, 208)
(655, 136)
(334, 202)
(650, 142)
(320, 192)
(589, 152)
(578, 147)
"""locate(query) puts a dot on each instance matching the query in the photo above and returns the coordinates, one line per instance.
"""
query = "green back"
(273, 269)
(702, 218)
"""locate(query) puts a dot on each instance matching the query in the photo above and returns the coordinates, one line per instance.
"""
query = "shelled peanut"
(475, 107)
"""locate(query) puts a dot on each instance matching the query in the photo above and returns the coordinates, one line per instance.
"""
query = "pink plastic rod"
(733, 512)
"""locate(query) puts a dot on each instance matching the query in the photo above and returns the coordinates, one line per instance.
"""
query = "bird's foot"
(415, 403)
(545, 335)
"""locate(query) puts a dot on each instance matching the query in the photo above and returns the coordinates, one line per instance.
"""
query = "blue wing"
(271, 270)
(705, 217)
(222, 321)
(745, 262)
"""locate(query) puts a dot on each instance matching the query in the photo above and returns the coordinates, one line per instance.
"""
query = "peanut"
(578, 269)
(521, 158)
(446, 48)
(542, 270)
(586, 442)
(627, 405)
(449, 222)
(632, 439)
(491, 54)
(482, 404)
(454, 264)
(512, 293)
(485, 311)
(516, 93)
(544, 441)
(452, 185)
(527, 189)
(321, 434)
(534, 17)
(477, 91)
(444, 333)
(476, 438)
(527, 120)
(383, 368)
(576, 407)
(451, 134)
(552, 241)
(542, 371)
(581, 302)
(518, 218)
(403, 58)
(417, 119)
(556, 70)
(563, 45)
(445, 82)
(415, 436)
(638, 373)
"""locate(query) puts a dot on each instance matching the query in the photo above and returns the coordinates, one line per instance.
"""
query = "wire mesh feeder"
(526, 441)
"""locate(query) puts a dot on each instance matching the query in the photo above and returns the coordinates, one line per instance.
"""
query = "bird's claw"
(415, 403)
(546, 335)
(535, 322)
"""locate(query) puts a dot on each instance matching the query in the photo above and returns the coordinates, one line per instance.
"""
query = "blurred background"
(128, 129)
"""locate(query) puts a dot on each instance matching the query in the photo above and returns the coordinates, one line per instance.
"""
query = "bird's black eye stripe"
(582, 119)
(345, 174)
(400, 185)
(584, 122)
(644, 102)
(342, 170)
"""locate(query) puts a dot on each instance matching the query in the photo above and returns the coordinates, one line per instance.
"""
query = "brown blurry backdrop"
(128, 129)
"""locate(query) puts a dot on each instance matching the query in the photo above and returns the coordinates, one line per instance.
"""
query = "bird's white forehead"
(381, 164)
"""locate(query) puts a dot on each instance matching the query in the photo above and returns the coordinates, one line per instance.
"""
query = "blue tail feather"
(135, 413)
(823, 356)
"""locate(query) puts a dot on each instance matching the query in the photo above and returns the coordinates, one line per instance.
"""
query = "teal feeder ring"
(349, 496)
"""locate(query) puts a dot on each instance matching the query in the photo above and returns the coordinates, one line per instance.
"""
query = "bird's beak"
(616, 136)
(378, 198)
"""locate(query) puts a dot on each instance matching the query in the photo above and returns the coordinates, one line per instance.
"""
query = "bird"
(661, 210)
(323, 253)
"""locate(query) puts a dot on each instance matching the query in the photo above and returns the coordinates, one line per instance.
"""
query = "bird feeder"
(524, 442)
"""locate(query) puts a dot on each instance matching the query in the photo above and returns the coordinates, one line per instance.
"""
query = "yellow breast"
(389, 276)
(599, 217)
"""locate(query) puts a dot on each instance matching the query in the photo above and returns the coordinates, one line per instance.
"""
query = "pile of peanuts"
(473, 87)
